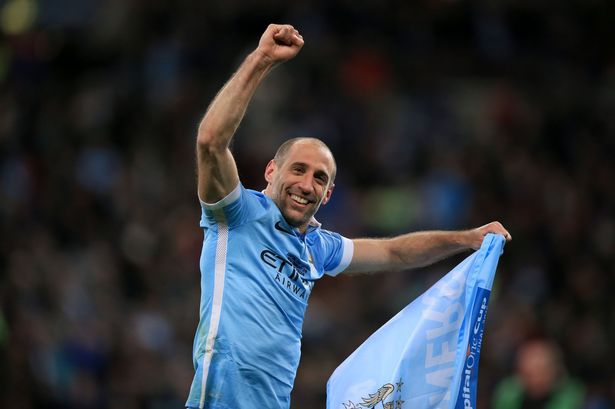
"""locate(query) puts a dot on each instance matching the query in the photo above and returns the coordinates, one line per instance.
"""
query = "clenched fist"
(280, 43)
(476, 236)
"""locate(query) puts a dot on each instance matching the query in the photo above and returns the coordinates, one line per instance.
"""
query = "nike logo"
(279, 227)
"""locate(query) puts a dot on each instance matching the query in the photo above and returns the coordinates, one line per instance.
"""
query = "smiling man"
(263, 252)
(300, 179)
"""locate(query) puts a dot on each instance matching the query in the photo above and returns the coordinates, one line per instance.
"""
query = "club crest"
(388, 391)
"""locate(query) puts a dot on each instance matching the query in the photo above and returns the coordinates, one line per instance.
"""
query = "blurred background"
(442, 114)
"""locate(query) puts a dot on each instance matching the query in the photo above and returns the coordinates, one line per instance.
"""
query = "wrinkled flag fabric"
(427, 355)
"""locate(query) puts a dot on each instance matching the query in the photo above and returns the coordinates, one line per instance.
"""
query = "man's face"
(301, 183)
(538, 367)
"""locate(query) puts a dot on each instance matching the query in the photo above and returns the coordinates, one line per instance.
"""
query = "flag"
(427, 355)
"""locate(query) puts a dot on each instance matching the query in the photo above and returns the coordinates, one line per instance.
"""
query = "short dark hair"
(282, 152)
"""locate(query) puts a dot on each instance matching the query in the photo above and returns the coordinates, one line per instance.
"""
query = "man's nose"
(305, 184)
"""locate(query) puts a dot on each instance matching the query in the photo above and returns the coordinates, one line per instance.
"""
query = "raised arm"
(217, 172)
(416, 249)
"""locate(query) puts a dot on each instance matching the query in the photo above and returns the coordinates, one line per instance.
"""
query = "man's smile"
(298, 199)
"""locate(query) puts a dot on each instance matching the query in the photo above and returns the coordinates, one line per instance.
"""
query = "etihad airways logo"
(290, 273)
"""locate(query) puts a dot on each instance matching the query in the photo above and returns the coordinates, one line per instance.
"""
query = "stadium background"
(442, 115)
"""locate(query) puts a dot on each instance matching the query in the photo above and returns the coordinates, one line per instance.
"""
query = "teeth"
(298, 199)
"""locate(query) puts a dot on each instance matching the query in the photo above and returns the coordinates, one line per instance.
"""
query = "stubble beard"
(289, 213)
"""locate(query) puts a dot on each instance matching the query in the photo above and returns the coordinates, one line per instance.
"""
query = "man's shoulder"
(258, 199)
(319, 231)
(239, 207)
(259, 194)
(323, 240)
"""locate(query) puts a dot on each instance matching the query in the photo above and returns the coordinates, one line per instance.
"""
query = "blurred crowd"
(442, 114)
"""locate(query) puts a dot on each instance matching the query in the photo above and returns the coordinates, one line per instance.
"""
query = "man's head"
(300, 179)
(539, 365)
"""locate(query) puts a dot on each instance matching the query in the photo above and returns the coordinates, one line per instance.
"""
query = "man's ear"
(328, 194)
(270, 171)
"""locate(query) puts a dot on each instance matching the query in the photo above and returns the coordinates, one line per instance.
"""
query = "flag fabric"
(427, 355)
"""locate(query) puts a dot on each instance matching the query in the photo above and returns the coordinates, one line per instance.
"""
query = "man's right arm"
(217, 172)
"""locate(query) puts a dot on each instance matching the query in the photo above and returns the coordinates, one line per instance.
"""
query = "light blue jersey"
(257, 274)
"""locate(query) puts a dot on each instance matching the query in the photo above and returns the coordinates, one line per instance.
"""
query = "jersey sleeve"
(236, 208)
(338, 252)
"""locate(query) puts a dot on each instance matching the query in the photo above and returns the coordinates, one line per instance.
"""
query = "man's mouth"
(299, 199)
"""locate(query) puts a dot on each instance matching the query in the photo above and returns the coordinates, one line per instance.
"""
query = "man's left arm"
(418, 249)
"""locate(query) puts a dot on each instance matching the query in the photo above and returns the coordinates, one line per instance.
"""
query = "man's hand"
(280, 43)
(217, 170)
(476, 236)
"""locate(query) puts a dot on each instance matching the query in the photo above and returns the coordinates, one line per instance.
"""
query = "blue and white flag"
(427, 355)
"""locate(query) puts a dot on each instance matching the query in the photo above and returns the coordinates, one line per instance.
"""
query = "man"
(540, 381)
(263, 251)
